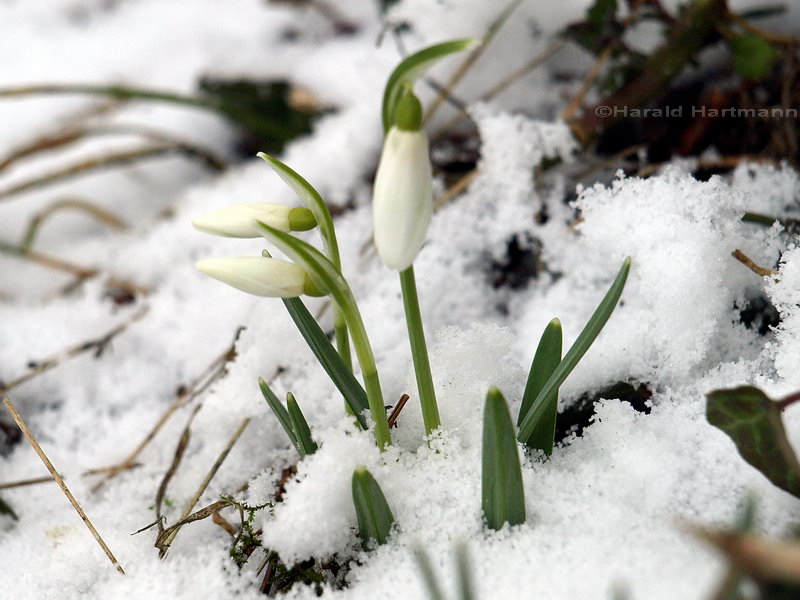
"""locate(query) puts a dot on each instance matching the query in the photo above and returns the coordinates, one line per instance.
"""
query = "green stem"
(419, 351)
(369, 369)
(342, 345)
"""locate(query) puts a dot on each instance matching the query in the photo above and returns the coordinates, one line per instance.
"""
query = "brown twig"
(51, 262)
(185, 395)
(455, 189)
(397, 409)
(38, 449)
(748, 262)
(24, 482)
(165, 539)
(98, 345)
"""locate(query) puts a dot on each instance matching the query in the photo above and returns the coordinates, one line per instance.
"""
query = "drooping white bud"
(239, 220)
(402, 203)
(260, 275)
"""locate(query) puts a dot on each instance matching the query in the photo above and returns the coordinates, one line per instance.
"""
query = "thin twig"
(748, 262)
(397, 409)
(455, 189)
(51, 262)
(96, 344)
(569, 112)
(186, 394)
(770, 36)
(38, 449)
(167, 541)
(24, 482)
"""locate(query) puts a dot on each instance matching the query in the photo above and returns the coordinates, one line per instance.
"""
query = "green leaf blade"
(280, 412)
(582, 344)
(413, 67)
(327, 277)
(302, 431)
(341, 376)
(502, 495)
(753, 421)
(545, 362)
(375, 518)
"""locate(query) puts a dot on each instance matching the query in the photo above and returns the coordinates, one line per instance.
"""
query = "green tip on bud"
(301, 219)
(312, 289)
(408, 114)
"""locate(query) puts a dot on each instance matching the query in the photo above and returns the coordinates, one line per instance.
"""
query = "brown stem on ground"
(748, 262)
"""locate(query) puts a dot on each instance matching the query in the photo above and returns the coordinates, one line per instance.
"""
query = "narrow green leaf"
(413, 67)
(464, 573)
(502, 495)
(313, 201)
(329, 358)
(374, 516)
(753, 421)
(280, 412)
(300, 426)
(327, 277)
(590, 332)
(428, 576)
(545, 361)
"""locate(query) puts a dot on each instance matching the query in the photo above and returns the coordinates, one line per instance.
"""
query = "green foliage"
(262, 108)
(375, 518)
(331, 361)
(431, 582)
(248, 539)
(753, 421)
(545, 361)
(300, 427)
(502, 495)
(539, 409)
(291, 419)
(753, 56)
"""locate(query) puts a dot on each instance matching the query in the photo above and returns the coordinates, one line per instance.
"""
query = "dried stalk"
(25, 482)
(38, 449)
(97, 344)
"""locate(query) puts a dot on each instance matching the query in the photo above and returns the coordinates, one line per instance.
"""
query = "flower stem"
(369, 370)
(419, 351)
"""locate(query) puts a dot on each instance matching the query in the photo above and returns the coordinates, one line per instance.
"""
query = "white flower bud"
(402, 197)
(239, 221)
(259, 275)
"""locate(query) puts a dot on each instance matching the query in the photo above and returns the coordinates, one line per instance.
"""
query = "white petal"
(257, 275)
(237, 221)
(402, 198)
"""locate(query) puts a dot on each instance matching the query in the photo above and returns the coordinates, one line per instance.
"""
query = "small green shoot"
(545, 361)
(300, 426)
(375, 518)
(280, 412)
(539, 408)
(502, 494)
(429, 577)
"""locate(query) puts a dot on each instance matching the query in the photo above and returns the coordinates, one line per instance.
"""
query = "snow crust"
(604, 511)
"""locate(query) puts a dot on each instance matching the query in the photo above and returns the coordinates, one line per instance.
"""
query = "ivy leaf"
(753, 56)
(753, 421)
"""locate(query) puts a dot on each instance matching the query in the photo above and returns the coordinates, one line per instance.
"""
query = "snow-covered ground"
(605, 512)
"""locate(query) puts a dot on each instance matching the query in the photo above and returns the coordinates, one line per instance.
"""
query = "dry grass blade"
(455, 189)
(38, 449)
(96, 164)
(750, 264)
(180, 449)
(99, 213)
(50, 262)
(98, 345)
(24, 482)
(397, 410)
(165, 540)
(185, 395)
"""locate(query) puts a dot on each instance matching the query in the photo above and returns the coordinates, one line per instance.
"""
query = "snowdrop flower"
(239, 221)
(260, 275)
(402, 196)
